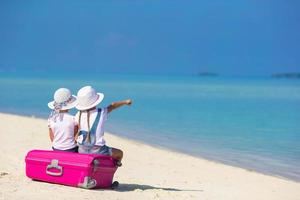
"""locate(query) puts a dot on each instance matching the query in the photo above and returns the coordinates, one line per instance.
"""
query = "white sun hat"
(63, 100)
(88, 98)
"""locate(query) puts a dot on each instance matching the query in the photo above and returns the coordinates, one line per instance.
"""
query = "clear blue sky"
(236, 37)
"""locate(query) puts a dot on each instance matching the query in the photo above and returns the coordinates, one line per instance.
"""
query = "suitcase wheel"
(114, 185)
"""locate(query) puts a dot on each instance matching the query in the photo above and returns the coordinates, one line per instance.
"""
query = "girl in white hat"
(90, 119)
(62, 125)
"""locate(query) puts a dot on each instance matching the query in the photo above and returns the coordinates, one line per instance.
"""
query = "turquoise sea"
(252, 123)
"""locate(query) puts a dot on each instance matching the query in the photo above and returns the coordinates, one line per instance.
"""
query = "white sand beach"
(147, 172)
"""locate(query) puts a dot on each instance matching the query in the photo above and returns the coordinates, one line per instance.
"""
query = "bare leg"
(117, 154)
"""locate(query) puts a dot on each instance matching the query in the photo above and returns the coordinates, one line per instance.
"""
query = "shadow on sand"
(123, 187)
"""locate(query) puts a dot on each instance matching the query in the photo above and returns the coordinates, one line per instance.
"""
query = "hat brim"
(86, 107)
(66, 107)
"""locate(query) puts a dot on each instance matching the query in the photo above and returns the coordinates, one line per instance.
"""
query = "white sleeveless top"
(63, 129)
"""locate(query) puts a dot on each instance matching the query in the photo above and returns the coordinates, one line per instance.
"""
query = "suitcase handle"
(54, 165)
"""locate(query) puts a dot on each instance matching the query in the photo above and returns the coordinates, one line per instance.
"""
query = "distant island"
(207, 74)
(286, 75)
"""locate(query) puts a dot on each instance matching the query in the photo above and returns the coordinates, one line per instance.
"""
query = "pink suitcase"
(73, 169)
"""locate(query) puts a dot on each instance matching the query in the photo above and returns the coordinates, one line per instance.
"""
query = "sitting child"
(62, 125)
(90, 119)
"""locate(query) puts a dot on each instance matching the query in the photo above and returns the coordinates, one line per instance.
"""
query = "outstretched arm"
(118, 104)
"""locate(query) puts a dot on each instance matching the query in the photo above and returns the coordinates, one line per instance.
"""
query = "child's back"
(91, 120)
(62, 125)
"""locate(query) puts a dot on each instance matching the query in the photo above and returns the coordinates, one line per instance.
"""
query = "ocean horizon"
(249, 122)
